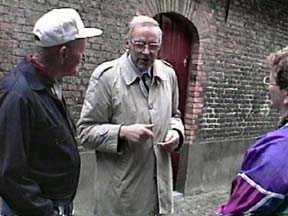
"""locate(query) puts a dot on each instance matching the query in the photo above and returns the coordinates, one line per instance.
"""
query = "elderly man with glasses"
(261, 186)
(130, 118)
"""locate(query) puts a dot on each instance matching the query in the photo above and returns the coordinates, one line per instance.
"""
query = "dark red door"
(176, 49)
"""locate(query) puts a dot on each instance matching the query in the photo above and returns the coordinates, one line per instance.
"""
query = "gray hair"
(144, 21)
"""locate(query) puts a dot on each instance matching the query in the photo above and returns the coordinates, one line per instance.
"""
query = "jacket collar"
(130, 74)
(159, 70)
(36, 81)
(127, 69)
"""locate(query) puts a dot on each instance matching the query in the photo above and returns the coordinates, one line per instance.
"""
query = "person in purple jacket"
(261, 186)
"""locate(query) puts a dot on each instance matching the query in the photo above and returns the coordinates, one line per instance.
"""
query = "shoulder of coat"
(168, 66)
(166, 63)
(104, 67)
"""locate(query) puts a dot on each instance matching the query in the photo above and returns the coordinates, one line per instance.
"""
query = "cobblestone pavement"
(203, 204)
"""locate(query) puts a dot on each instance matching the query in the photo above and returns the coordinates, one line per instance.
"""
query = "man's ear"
(126, 45)
(62, 53)
(285, 101)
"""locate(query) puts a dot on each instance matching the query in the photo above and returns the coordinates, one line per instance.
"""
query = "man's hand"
(171, 141)
(136, 132)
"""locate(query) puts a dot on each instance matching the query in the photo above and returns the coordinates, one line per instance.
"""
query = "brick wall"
(231, 63)
(236, 101)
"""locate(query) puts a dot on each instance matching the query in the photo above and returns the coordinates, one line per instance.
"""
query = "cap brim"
(89, 32)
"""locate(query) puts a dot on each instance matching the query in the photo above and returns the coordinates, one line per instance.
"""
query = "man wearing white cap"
(39, 160)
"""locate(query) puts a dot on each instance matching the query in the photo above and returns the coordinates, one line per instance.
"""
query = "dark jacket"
(39, 160)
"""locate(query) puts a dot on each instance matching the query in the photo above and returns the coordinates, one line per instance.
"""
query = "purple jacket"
(262, 184)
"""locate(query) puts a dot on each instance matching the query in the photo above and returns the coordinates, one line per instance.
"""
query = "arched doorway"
(178, 37)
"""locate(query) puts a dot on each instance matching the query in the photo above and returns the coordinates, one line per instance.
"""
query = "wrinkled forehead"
(146, 32)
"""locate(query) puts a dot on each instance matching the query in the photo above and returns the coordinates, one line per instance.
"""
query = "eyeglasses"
(140, 46)
(267, 81)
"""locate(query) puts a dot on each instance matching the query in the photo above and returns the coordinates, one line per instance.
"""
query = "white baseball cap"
(59, 26)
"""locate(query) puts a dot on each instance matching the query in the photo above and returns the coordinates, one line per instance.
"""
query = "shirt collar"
(130, 73)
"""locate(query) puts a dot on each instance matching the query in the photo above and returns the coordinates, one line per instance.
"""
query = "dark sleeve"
(181, 140)
(19, 191)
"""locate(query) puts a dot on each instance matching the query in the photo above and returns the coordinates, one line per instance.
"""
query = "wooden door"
(176, 49)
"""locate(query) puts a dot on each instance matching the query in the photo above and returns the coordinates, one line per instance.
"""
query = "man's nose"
(146, 49)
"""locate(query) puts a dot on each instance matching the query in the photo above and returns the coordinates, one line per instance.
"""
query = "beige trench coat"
(132, 178)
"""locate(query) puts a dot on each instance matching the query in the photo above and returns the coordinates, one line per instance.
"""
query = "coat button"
(150, 106)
